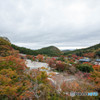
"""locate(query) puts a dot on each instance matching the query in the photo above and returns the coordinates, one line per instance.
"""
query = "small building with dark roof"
(85, 60)
(97, 60)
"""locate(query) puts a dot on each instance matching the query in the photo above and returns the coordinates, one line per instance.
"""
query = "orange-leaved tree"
(12, 62)
(40, 57)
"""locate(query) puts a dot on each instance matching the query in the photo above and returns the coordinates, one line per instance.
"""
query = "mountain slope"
(50, 51)
(24, 50)
(80, 52)
(66, 51)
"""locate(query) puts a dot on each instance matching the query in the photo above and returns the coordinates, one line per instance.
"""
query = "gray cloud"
(63, 23)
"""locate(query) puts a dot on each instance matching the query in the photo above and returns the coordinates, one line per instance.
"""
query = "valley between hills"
(48, 73)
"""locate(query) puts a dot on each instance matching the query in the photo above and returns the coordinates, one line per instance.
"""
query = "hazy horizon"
(65, 48)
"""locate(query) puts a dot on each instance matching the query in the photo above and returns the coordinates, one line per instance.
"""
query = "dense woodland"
(80, 52)
(50, 51)
(24, 50)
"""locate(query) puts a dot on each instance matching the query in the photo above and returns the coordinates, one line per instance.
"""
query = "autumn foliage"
(40, 57)
(95, 77)
(96, 67)
(90, 55)
(12, 62)
(60, 66)
(18, 82)
(11, 70)
(5, 47)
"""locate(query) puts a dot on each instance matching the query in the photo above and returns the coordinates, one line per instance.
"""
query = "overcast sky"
(67, 24)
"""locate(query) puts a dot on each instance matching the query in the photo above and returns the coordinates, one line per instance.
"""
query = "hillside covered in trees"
(24, 50)
(6, 46)
(50, 51)
(80, 52)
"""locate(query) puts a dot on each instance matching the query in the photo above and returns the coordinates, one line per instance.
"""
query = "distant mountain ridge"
(5, 46)
(85, 50)
(66, 51)
(50, 51)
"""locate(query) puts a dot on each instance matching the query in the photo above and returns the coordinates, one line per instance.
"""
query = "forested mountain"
(24, 50)
(6, 46)
(80, 52)
(50, 51)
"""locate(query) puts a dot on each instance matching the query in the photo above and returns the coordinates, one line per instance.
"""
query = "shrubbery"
(98, 52)
(5, 47)
(39, 58)
(95, 76)
(19, 83)
(60, 66)
(61, 58)
(85, 67)
(13, 63)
